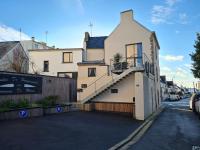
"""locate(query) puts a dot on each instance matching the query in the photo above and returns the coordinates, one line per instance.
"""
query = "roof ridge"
(97, 36)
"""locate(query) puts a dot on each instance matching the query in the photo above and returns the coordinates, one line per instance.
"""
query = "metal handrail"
(97, 79)
(94, 83)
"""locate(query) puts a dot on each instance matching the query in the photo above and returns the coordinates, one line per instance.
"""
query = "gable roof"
(6, 47)
(96, 42)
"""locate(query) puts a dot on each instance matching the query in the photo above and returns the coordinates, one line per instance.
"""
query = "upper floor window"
(91, 72)
(134, 53)
(67, 57)
(46, 66)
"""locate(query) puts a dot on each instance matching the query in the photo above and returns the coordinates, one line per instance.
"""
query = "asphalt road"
(177, 128)
(69, 131)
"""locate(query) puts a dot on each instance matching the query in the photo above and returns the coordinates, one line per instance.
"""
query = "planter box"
(33, 112)
(21, 113)
(86, 107)
(56, 110)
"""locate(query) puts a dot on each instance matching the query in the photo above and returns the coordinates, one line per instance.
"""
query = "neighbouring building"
(163, 88)
(13, 57)
(55, 62)
(33, 44)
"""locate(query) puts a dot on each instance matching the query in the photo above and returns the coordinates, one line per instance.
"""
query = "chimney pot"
(33, 38)
(87, 36)
(127, 15)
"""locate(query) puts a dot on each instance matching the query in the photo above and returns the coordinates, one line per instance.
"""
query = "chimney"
(33, 38)
(87, 36)
(127, 15)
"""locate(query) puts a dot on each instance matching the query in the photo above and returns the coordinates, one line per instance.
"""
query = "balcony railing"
(130, 62)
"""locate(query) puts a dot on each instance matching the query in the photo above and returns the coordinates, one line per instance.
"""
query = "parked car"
(192, 99)
(174, 97)
(195, 102)
(197, 106)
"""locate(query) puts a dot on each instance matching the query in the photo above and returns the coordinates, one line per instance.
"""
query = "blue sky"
(175, 22)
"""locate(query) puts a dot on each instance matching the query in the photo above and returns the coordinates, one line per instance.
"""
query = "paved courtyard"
(73, 130)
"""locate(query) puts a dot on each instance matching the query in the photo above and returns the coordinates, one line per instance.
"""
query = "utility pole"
(91, 26)
(46, 34)
(20, 32)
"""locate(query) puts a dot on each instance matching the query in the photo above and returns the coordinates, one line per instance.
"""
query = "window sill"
(67, 62)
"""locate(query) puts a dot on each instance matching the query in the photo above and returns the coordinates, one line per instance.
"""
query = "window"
(134, 53)
(91, 72)
(36, 46)
(73, 75)
(114, 90)
(67, 57)
(83, 85)
(46, 66)
(65, 74)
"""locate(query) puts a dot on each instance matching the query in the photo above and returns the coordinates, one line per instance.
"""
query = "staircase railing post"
(95, 87)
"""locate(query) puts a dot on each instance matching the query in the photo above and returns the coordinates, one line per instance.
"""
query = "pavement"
(72, 130)
(177, 128)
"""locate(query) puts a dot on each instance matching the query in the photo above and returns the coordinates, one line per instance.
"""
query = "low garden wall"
(11, 109)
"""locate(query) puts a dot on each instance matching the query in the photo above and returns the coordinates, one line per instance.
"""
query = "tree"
(195, 56)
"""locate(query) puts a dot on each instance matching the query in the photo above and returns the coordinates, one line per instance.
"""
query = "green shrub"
(48, 101)
(12, 104)
(8, 104)
(23, 103)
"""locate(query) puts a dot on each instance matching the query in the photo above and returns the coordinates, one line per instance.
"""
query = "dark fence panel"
(20, 84)
(35, 87)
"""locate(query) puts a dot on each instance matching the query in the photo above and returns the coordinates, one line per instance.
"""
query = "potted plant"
(116, 61)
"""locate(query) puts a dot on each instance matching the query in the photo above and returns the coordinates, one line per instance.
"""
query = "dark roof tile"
(6, 47)
(96, 42)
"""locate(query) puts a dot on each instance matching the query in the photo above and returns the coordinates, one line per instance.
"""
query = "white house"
(131, 82)
(55, 62)
(33, 44)
(163, 88)
(119, 72)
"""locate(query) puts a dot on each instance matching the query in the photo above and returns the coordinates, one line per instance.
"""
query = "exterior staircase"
(107, 82)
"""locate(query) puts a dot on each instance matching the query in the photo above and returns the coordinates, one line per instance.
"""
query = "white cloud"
(11, 34)
(166, 69)
(183, 18)
(180, 75)
(171, 2)
(76, 5)
(160, 14)
(163, 13)
(177, 31)
(189, 66)
(172, 57)
(80, 6)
